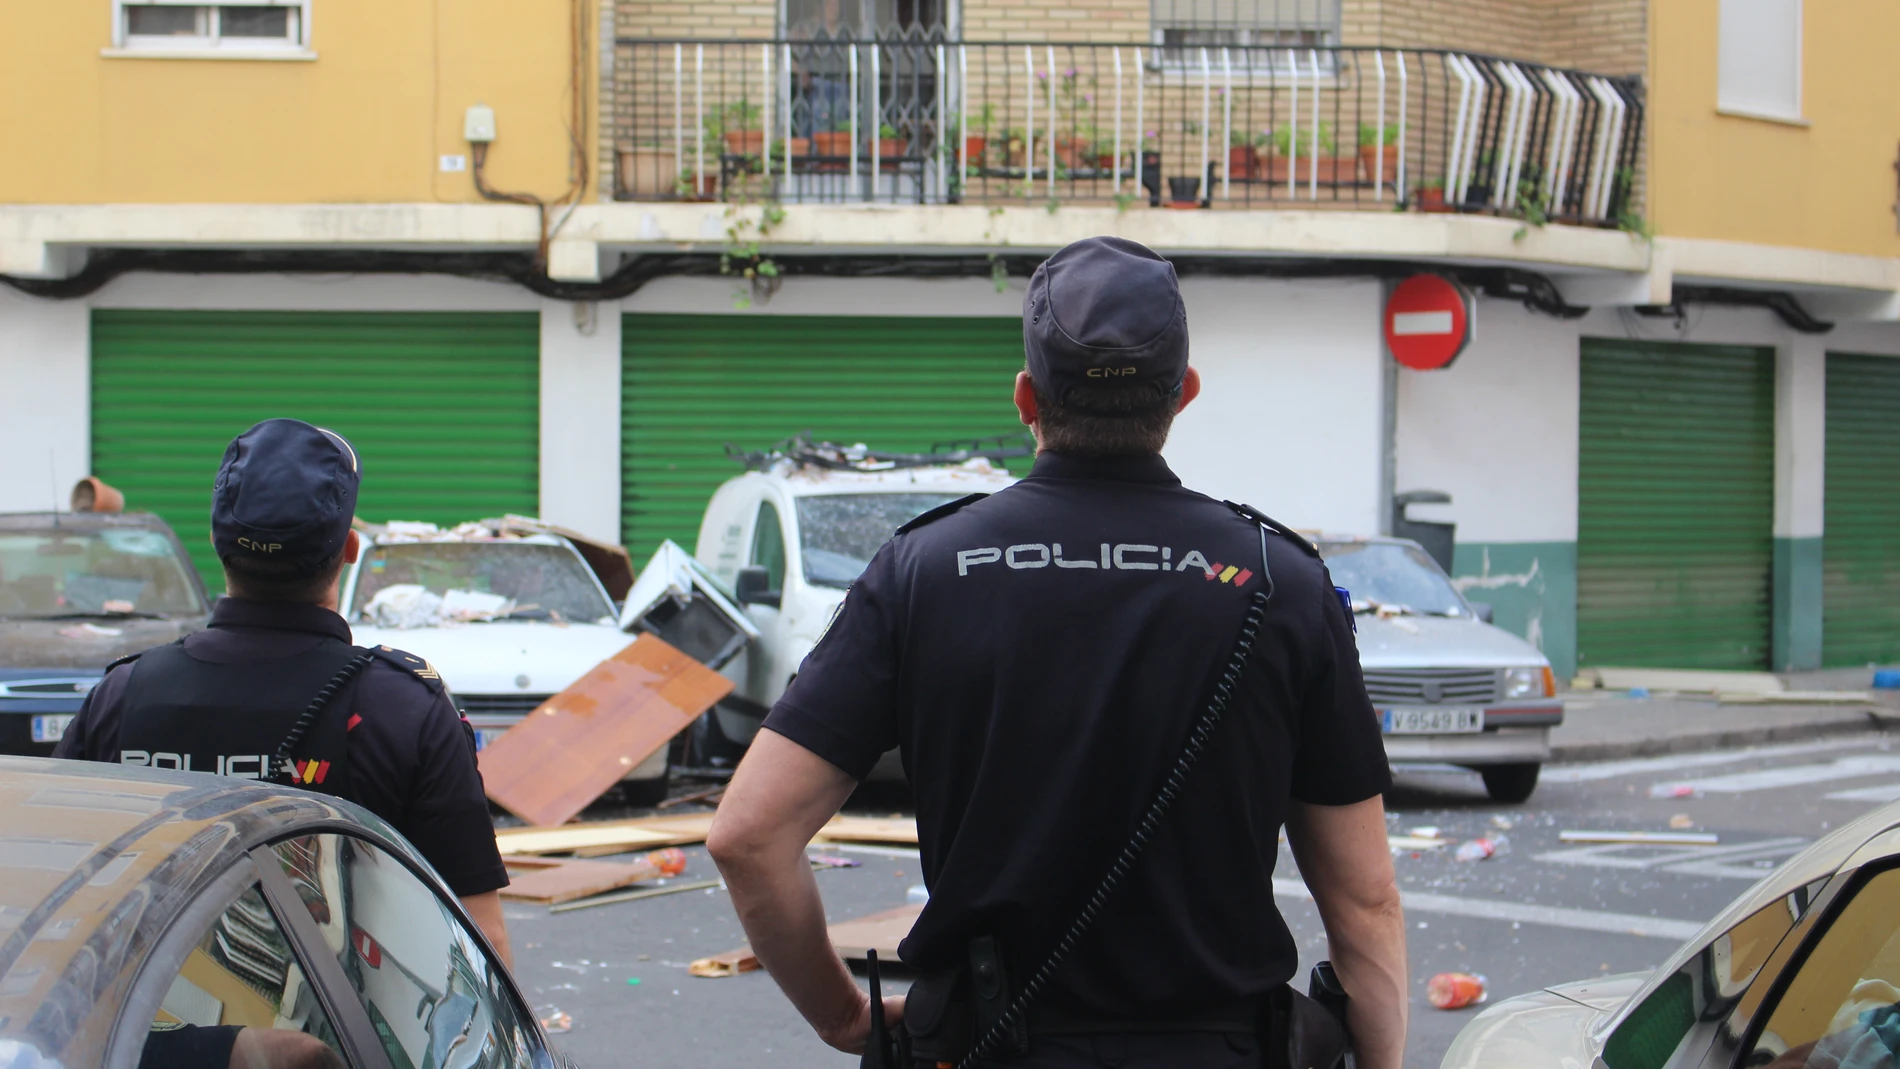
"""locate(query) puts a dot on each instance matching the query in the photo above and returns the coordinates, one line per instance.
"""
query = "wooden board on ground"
(607, 836)
(583, 740)
(548, 881)
(879, 931)
(901, 830)
(1694, 681)
(1797, 697)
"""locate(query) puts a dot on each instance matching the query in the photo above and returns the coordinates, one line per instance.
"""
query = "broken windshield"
(1391, 576)
(57, 574)
(839, 533)
(418, 584)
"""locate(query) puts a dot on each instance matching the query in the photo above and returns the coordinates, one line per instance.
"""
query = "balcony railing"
(925, 122)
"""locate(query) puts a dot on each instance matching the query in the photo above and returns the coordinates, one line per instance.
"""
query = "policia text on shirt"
(1053, 663)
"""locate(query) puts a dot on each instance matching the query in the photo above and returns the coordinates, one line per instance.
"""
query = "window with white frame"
(173, 26)
(1183, 27)
(1759, 58)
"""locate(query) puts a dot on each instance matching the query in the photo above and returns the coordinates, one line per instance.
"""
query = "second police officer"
(224, 699)
(1047, 658)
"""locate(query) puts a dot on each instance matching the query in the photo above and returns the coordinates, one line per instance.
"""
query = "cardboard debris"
(1694, 681)
(879, 931)
(566, 753)
(902, 831)
(1659, 838)
(731, 963)
(1415, 842)
(549, 882)
(1796, 697)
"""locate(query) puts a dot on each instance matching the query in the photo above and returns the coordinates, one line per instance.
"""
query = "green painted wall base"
(1532, 589)
(1797, 623)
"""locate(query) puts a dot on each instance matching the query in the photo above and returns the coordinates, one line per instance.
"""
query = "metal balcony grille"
(1432, 686)
(907, 120)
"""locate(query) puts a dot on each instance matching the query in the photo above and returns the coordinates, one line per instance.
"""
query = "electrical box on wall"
(479, 125)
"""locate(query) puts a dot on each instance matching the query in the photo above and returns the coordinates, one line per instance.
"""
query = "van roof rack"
(801, 450)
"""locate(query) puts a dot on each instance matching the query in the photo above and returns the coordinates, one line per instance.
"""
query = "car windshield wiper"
(132, 614)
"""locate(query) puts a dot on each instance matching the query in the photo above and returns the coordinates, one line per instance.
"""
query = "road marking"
(1588, 773)
(1587, 920)
(1885, 792)
(1792, 776)
(1688, 860)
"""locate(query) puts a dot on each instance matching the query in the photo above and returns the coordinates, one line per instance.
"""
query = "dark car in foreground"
(1801, 972)
(79, 590)
(138, 903)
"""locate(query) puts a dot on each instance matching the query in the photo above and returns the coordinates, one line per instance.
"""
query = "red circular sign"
(1427, 322)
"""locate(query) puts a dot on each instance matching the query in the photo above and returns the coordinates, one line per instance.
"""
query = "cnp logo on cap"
(286, 491)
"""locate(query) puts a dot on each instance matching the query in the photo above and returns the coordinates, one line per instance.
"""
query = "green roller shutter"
(695, 383)
(1860, 547)
(442, 407)
(1675, 505)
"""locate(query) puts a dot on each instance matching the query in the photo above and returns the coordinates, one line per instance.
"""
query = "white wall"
(580, 417)
(45, 403)
(1288, 417)
(1497, 430)
(314, 293)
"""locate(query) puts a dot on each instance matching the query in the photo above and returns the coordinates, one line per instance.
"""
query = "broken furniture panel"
(677, 599)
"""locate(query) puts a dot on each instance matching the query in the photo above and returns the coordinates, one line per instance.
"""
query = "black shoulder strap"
(940, 512)
(1275, 526)
(280, 763)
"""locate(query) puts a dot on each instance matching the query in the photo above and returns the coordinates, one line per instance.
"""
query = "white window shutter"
(1760, 58)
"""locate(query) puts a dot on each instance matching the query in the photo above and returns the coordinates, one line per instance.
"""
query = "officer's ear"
(1025, 399)
(1190, 388)
(352, 548)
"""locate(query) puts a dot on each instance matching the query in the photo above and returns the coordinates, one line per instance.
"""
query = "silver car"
(1801, 972)
(1449, 687)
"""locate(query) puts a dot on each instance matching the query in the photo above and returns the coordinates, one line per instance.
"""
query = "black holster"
(949, 1009)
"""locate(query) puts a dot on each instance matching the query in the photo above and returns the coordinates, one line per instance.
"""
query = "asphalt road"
(1540, 912)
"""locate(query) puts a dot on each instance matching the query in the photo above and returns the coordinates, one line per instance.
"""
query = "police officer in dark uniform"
(374, 726)
(1044, 657)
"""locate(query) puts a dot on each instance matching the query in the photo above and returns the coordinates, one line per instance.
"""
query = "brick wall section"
(1101, 21)
(1603, 36)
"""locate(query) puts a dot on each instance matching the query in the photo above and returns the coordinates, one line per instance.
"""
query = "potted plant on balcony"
(741, 127)
(1243, 155)
(1332, 169)
(833, 146)
(1429, 196)
(646, 170)
(1376, 141)
(890, 145)
(976, 140)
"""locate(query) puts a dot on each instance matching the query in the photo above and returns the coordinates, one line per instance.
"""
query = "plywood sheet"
(900, 830)
(583, 740)
(551, 882)
(606, 837)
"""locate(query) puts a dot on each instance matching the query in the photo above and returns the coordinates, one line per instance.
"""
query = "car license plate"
(485, 737)
(1433, 721)
(50, 728)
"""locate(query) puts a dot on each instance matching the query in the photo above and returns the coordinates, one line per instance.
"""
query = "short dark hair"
(259, 580)
(1098, 420)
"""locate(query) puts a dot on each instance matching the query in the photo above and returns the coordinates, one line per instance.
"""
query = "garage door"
(1675, 501)
(1860, 550)
(695, 383)
(443, 407)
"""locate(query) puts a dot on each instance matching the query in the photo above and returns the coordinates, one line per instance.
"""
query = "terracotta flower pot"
(1105, 162)
(1431, 200)
(889, 150)
(1242, 162)
(745, 142)
(973, 150)
(832, 143)
(1069, 151)
(647, 171)
(1369, 163)
(93, 495)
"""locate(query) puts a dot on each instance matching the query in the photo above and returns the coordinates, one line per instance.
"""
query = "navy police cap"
(286, 491)
(1107, 311)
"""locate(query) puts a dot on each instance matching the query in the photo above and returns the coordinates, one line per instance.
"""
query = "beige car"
(1801, 972)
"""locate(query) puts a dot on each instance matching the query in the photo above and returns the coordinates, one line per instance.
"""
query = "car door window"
(435, 998)
(242, 999)
(1841, 1008)
(768, 546)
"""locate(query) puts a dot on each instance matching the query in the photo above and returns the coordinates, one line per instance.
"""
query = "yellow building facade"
(359, 102)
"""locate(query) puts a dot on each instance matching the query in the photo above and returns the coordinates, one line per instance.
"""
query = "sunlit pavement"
(1539, 912)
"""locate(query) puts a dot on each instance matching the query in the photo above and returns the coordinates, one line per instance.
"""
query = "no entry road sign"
(1427, 322)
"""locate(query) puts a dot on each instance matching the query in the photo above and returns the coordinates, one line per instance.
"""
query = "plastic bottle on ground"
(1455, 990)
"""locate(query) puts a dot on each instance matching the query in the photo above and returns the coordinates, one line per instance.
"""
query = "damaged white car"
(507, 614)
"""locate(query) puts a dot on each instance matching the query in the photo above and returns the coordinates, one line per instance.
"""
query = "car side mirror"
(753, 586)
(1482, 609)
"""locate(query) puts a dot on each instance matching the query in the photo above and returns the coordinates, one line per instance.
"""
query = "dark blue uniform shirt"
(1039, 655)
(412, 756)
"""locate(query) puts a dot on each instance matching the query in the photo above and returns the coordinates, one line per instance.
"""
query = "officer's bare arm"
(486, 909)
(780, 796)
(1343, 855)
